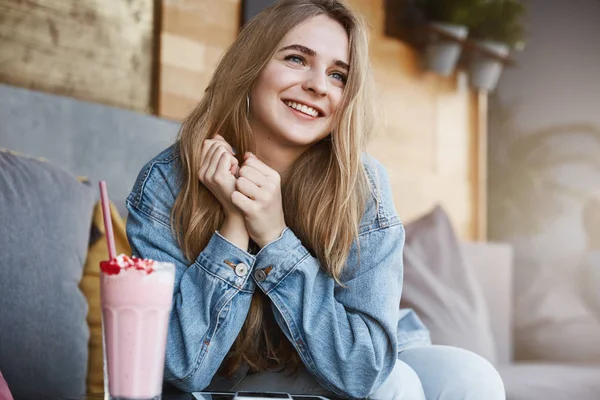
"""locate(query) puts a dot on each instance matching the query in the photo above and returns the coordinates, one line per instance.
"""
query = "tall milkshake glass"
(136, 296)
(136, 303)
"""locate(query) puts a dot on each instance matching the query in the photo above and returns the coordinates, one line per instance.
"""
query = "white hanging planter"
(484, 71)
(442, 53)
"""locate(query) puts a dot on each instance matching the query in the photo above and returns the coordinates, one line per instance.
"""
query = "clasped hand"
(251, 192)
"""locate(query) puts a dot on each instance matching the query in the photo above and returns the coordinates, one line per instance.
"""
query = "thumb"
(234, 166)
(235, 169)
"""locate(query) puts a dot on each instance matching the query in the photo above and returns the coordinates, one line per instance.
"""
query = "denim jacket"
(347, 337)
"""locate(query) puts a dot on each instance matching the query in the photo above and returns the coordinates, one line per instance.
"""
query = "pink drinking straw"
(110, 237)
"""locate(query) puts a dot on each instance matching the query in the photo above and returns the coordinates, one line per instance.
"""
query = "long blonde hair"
(325, 193)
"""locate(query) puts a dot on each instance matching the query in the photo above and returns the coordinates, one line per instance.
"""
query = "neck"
(275, 154)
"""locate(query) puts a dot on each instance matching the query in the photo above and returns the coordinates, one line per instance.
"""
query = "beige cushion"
(493, 266)
(442, 288)
(589, 280)
(553, 323)
(525, 381)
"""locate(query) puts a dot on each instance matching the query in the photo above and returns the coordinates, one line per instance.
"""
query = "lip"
(315, 107)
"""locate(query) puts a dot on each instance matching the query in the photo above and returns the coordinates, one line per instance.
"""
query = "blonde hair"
(323, 212)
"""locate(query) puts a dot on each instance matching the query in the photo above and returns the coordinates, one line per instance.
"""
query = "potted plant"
(446, 26)
(497, 27)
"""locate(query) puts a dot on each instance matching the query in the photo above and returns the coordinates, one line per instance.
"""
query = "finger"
(242, 202)
(252, 160)
(214, 160)
(222, 140)
(208, 147)
(247, 188)
(233, 165)
(224, 165)
(252, 174)
(208, 160)
(225, 162)
(235, 168)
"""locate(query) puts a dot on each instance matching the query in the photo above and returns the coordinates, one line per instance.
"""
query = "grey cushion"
(94, 140)
(442, 287)
(45, 217)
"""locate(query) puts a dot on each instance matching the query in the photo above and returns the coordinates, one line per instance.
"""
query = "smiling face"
(296, 96)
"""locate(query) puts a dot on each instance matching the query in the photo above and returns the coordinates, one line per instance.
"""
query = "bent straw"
(108, 229)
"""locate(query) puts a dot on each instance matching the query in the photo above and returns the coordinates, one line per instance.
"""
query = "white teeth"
(302, 108)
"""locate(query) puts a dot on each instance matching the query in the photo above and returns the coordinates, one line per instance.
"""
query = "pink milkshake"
(136, 303)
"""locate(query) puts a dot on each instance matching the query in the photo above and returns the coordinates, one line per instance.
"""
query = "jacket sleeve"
(210, 300)
(346, 336)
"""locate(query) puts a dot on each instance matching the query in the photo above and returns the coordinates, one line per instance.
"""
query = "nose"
(316, 82)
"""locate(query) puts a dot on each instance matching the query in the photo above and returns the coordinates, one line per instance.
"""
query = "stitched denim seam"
(380, 228)
(149, 215)
(201, 357)
(165, 219)
(381, 214)
(293, 329)
(304, 354)
(142, 185)
(220, 277)
(376, 191)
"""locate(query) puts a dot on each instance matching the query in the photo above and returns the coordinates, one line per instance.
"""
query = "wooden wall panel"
(95, 50)
(431, 145)
(195, 34)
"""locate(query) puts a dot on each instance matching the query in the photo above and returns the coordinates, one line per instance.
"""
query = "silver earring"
(247, 104)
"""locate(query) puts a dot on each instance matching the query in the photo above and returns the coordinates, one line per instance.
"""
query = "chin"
(301, 136)
(302, 139)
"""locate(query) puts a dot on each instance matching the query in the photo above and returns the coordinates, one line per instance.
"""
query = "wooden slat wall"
(97, 50)
(433, 146)
(479, 164)
(195, 33)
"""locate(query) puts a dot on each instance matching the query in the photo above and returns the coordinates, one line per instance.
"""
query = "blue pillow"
(45, 217)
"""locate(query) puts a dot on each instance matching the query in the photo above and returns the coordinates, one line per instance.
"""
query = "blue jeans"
(421, 373)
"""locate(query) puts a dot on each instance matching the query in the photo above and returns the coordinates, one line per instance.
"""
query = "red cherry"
(110, 267)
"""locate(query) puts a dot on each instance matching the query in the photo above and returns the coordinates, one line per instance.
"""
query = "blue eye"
(339, 76)
(296, 59)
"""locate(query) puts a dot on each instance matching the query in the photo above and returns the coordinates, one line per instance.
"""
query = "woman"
(287, 245)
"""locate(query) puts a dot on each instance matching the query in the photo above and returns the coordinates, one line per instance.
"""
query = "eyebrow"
(312, 53)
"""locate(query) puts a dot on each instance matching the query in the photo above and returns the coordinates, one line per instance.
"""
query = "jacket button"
(260, 275)
(241, 269)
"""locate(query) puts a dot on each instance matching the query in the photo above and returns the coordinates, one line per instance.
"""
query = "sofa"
(52, 238)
